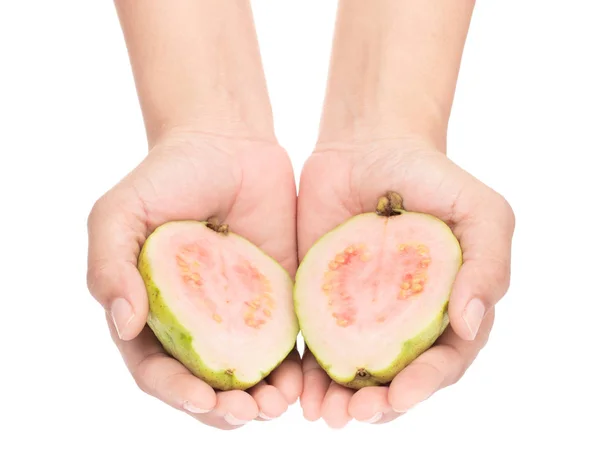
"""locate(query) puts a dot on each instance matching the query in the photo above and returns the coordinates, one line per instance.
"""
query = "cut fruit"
(371, 295)
(218, 304)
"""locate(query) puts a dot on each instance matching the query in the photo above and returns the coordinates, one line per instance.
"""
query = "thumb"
(484, 277)
(116, 229)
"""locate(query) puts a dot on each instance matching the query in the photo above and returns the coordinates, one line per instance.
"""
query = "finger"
(116, 229)
(335, 406)
(287, 378)
(168, 380)
(163, 377)
(231, 405)
(389, 417)
(236, 408)
(369, 404)
(438, 367)
(485, 237)
(314, 388)
(270, 401)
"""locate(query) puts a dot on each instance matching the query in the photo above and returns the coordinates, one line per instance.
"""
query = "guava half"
(372, 294)
(218, 304)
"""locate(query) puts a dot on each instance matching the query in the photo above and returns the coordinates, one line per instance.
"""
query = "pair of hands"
(250, 185)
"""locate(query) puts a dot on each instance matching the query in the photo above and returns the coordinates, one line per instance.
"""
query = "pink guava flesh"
(371, 285)
(233, 299)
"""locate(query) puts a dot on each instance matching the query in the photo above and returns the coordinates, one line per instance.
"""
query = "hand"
(187, 175)
(342, 182)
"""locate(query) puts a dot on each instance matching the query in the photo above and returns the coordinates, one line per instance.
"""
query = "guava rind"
(178, 341)
(408, 351)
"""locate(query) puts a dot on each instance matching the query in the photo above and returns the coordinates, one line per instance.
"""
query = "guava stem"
(390, 204)
(362, 373)
(213, 223)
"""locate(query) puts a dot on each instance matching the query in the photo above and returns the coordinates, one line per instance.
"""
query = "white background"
(526, 121)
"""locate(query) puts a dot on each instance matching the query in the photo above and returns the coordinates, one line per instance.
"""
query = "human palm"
(339, 182)
(246, 184)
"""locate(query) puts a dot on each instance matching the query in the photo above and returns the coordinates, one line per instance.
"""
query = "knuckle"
(507, 212)
(142, 384)
(144, 376)
(97, 274)
(460, 365)
(500, 273)
(94, 274)
(98, 209)
(458, 376)
(139, 376)
(437, 370)
(461, 372)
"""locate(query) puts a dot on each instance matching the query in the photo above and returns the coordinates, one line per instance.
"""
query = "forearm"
(394, 68)
(197, 65)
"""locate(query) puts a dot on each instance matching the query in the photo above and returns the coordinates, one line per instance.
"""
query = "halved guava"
(371, 295)
(218, 304)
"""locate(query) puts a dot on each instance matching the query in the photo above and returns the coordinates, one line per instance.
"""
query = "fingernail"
(231, 420)
(473, 315)
(376, 418)
(122, 314)
(403, 410)
(262, 415)
(193, 409)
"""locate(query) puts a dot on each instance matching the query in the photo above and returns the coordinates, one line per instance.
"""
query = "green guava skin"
(178, 341)
(408, 350)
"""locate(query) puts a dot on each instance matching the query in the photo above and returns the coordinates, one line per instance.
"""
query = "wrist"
(394, 67)
(225, 97)
(194, 141)
(411, 117)
(197, 64)
(218, 119)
